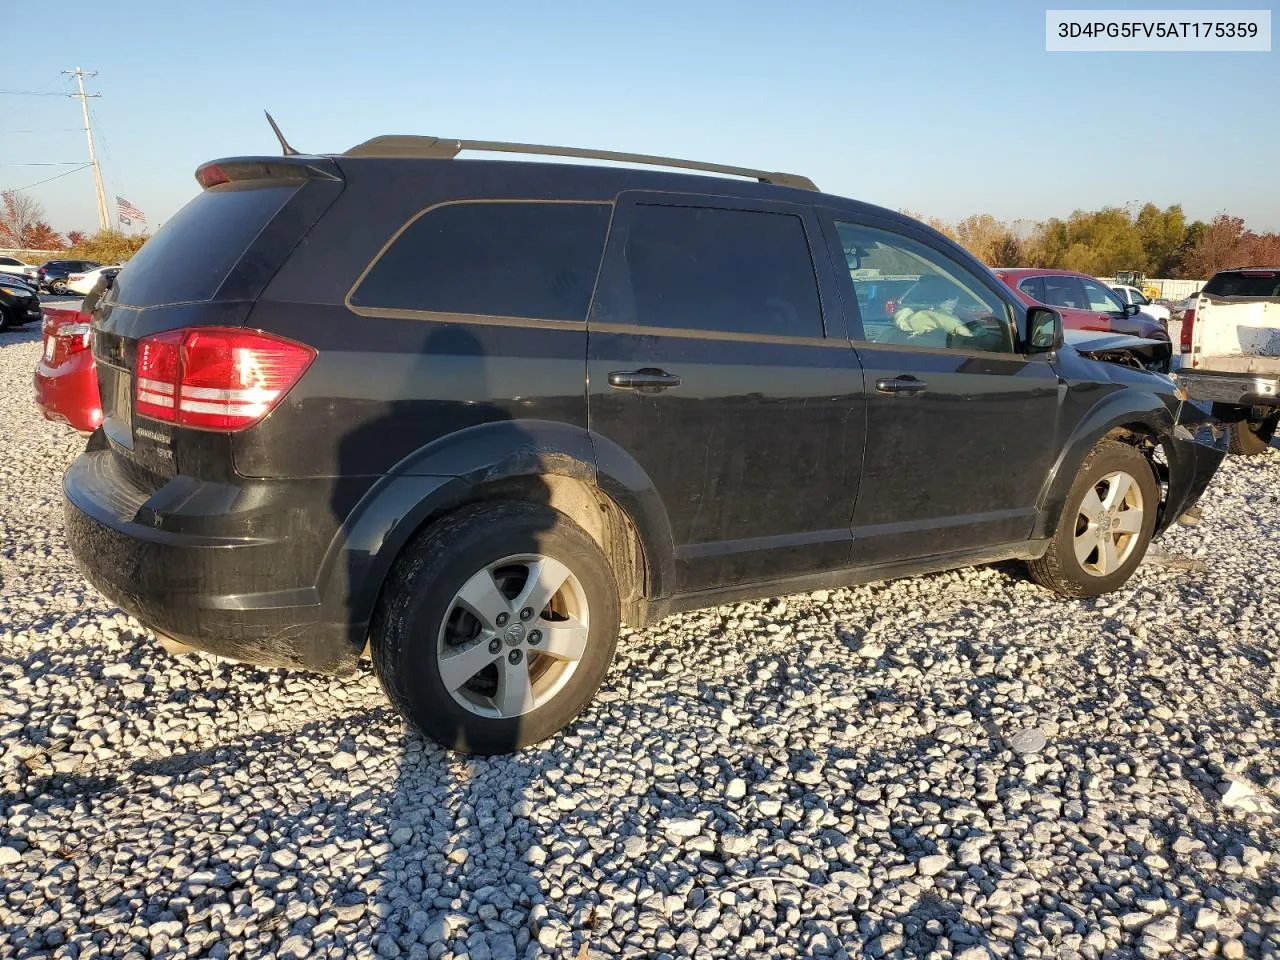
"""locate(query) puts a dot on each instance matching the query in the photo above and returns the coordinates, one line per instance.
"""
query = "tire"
(421, 619)
(1064, 568)
(59, 287)
(1246, 438)
(4, 320)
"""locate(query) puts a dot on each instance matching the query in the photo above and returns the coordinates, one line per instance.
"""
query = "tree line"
(1155, 242)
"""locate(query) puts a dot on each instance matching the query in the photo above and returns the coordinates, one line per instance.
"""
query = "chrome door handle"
(648, 380)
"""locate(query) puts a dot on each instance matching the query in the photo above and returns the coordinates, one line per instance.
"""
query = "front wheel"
(1106, 524)
(1248, 438)
(496, 627)
(59, 287)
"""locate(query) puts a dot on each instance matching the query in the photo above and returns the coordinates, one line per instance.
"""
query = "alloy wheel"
(1109, 524)
(513, 635)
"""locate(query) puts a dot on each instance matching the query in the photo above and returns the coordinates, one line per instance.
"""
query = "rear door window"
(192, 254)
(721, 270)
(522, 259)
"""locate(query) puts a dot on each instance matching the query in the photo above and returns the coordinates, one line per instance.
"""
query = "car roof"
(1021, 272)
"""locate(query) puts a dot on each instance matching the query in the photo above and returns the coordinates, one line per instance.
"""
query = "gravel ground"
(955, 766)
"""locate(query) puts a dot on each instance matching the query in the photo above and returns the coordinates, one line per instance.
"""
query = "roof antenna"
(284, 144)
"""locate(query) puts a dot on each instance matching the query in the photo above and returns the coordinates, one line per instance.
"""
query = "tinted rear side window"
(1033, 287)
(1260, 283)
(735, 271)
(196, 249)
(1062, 291)
(522, 259)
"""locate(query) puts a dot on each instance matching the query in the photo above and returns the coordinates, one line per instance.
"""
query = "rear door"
(717, 364)
(962, 425)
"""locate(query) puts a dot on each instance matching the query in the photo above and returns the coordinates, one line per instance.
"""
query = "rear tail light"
(64, 339)
(216, 378)
(890, 307)
(1188, 327)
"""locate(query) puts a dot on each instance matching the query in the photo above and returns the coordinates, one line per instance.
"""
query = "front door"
(711, 367)
(962, 425)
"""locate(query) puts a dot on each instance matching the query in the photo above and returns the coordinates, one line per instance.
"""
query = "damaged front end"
(1135, 352)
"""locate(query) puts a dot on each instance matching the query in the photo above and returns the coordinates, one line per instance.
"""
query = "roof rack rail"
(439, 148)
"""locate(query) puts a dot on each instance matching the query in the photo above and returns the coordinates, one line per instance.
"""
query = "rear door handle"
(648, 380)
(904, 384)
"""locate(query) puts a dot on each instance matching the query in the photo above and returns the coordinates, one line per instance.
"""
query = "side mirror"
(1133, 309)
(1044, 330)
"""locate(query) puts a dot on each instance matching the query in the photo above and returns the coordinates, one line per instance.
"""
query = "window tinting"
(1063, 292)
(1033, 287)
(732, 271)
(501, 259)
(198, 246)
(1261, 283)
(909, 293)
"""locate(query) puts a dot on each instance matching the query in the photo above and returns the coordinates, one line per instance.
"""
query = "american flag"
(128, 213)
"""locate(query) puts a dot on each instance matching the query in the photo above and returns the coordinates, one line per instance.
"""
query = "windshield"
(1253, 283)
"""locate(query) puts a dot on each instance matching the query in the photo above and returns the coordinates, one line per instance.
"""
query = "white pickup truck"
(1231, 353)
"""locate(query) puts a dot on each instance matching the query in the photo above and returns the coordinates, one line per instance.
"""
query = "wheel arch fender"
(1122, 412)
(540, 461)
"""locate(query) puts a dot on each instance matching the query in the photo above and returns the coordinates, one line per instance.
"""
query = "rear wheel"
(1106, 524)
(1248, 438)
(496, 627)
(4, 318)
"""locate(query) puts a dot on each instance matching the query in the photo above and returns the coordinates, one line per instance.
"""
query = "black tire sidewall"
(404, 642)
(1113, 457)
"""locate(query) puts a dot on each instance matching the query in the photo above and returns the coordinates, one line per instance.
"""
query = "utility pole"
(103, 220)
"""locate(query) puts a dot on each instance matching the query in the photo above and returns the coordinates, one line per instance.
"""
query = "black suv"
(472, 414)
(52, 275)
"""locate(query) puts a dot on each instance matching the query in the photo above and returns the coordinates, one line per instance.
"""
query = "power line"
(34, 93)
(48, 180)
(47, 130)
(60, 163)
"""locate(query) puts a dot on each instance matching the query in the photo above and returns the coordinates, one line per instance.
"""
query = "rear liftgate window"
(196, 249)
(530, 260)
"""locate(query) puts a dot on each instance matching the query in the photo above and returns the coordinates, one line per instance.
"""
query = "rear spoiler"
(295, 167)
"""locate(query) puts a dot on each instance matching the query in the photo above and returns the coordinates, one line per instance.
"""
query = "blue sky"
(944, 108)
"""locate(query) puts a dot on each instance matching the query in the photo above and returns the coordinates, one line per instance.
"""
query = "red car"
(1084, 302)
(66, 377)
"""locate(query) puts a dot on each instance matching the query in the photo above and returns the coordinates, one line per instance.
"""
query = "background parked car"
(19, 304)
(16, 267)
(66, 377)
(1180, 309)
(1084, 302)
(85, 281)
(53, 274)
(1132, 295)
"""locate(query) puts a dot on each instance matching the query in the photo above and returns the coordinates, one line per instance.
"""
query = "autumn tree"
(22, 223)
(1161, 233)
(109, 246)
(990, 240)
(1216, 248)
(74, 237)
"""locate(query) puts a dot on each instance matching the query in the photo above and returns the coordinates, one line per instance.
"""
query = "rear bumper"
(69, 393)
(237, 596)
(1239, 389)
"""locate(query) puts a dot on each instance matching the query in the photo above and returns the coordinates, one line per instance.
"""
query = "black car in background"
(19, 302)
(486, 410)
(53, 274)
